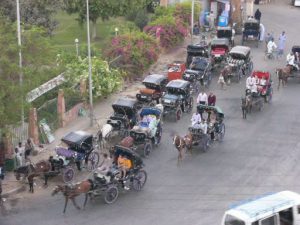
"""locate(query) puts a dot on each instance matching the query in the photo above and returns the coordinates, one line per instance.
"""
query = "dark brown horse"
(226, 72)
(31, 171)
(283, 74)
(71, 192)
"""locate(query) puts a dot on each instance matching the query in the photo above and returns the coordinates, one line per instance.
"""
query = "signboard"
(49, 85)
(46, 133)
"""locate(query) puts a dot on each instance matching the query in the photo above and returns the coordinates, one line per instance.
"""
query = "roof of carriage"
(244, 50)
(125, 102)
(208, 107)
(76, 137)
(220, 41)
(155, 79)
(178, 83)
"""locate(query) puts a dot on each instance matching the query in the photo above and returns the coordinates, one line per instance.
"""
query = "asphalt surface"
(258, 155)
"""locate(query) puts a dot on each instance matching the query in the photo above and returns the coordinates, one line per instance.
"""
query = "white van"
(282, 208)
(296, 2)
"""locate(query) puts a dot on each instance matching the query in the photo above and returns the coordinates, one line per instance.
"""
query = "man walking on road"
(281, 45)
(257, 15)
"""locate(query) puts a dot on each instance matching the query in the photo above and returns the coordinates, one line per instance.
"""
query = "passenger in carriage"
(203, 126)
(196, 119)
(105, 165)
(254, 91)
(212, 121)
(263, 81)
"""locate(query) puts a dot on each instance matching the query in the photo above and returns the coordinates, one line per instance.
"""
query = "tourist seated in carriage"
(148, 124)
(106, 165)
(212, 121)
(250, 81)
(203, 126)
(124, 164)
(196, 119)
(254, 91)
(290, 59)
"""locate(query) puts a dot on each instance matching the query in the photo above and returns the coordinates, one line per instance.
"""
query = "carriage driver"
(250, 82)
(196, 118)
(290, 60)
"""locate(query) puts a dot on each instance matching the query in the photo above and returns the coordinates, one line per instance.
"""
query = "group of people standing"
(23, 152)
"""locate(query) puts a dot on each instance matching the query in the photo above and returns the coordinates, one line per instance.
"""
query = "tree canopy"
(33, 12)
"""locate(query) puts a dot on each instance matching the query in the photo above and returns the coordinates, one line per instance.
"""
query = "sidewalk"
(102, 110)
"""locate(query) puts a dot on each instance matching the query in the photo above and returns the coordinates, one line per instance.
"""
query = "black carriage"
(80, 148)
(199, 73)
(240, 62)
(215, 121)
(148, 131)
(177, 98)
(154, 86)
(219, 50)
(200, 50)
(296, 51)
(124, 116)
(108, 185)
(251, 31)
(227, 33)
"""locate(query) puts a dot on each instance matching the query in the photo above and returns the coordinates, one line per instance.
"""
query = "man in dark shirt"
(211, 99)
(257, 15)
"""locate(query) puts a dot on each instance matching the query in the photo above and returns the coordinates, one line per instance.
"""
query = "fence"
(18, 133)
(48, 111)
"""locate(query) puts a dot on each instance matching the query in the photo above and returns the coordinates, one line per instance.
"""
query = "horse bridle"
(180, 142)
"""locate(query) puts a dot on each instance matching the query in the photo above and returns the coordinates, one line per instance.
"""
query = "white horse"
(104, 135)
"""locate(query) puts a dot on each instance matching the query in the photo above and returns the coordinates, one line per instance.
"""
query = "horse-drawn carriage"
(199, 73)
(79, 148)
(123, 119)
(264, 86)
(175, 70)
(227, 33)
(110, 183)
(177, 98)
(219, 50)
(240, 63)
(146, 133)
(154, 86)
(251, 31)
(200, 50)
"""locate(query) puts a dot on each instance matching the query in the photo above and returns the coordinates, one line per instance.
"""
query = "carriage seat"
(195, 130)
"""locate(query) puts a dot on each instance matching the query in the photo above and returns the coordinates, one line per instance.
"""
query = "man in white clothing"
(250, 81)
(105, 165)
(271, 46)
(290, 59)
(196, 118)
(202, 98)
(254, 90)
(203, 126)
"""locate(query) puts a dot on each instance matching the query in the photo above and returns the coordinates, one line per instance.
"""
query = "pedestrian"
(268, 38)
(257, 15)
(202, 98)
(281, 44)
(28, 148)
(221, 81)
(211, 99)
(19, 154)
(262, 32)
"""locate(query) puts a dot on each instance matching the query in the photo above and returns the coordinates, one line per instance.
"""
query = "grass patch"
(69, 29)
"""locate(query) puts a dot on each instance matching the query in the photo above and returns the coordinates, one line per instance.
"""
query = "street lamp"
(116, 31)
(76, 44)
(192, 21)
(20, 61)
(90, 64)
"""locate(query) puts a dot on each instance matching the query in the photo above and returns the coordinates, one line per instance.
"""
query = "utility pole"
(192, 20)
(90, 64)
(20, 61)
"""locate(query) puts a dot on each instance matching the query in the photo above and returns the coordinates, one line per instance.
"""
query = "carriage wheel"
(68, 174)
(139, 180)
(147, 150)
(111, 194)
(158, 135)
(178, 114)
(93, 160)
(222, 132)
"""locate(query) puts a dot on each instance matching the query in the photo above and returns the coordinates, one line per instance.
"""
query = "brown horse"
(71, 192)
(226, 72)
(182, 145)
(31, 171)
(283, 74)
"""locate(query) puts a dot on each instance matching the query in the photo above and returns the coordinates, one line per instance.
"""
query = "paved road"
(258, 155)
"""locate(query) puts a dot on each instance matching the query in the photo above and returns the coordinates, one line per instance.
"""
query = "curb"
(14, 191)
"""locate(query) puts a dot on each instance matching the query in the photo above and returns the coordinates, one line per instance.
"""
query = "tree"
(36, 68)
(103, 9)
(33, 12)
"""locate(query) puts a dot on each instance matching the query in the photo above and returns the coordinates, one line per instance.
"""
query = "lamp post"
(116, 31)
(192, 21)
(76, 44)
(90, 64)
(20, 61)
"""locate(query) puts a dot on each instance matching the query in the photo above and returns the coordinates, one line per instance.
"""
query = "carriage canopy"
(261, 74)
(215, 109)
(216, 42)
(155, 79)
(296, 48)
(79, 141)
(224, 32)
(242, 52)
(126, 106)
(251, 24)
(150, 111)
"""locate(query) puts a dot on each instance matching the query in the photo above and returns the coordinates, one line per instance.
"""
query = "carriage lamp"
(116, 31)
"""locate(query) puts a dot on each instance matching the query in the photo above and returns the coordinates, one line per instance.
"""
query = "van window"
(269, 221)
(286, 216)
(232, 220)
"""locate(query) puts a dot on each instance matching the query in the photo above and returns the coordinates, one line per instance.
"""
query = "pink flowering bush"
(137, 50)
(172, 27)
